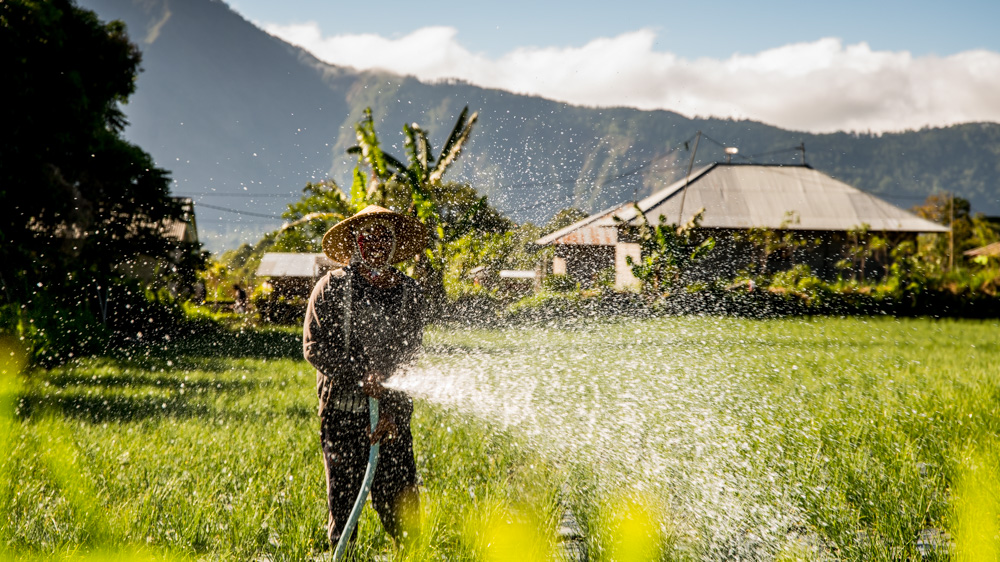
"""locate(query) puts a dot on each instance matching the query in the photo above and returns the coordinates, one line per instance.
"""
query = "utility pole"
(802, 148)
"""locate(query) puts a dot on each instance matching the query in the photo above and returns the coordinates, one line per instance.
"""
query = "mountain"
(244, 120)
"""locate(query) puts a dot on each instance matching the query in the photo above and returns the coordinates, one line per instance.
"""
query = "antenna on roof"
(687, 178)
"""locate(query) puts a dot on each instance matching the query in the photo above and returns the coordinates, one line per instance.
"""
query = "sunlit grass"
(630, 529)
(798, 438)
(977, 504)
(668, 439)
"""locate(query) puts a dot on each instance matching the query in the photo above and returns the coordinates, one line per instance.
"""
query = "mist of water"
(664, 410)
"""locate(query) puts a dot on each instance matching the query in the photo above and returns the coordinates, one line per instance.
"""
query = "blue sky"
(688, 29)
(813, 66)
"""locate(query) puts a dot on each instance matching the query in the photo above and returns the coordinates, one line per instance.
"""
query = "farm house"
(736, 198)
(292, 275)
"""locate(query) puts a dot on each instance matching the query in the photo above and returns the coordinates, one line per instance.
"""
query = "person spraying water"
(363, 322)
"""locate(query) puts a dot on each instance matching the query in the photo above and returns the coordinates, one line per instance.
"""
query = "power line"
(757, 155)
(625, 174)
(247, 213)
(234, 194)
(232, 221)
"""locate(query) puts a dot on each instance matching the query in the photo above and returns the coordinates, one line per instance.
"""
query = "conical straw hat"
(411, 234)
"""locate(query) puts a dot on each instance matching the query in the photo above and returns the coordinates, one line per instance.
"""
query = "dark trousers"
(344, 436)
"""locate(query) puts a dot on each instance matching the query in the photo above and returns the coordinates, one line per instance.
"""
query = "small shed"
(293, 274)
(736, 197)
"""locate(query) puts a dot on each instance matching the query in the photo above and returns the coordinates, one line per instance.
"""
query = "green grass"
(687, 438)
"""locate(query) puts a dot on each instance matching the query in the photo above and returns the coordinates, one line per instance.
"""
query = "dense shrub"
(281, 310)
(560, 283)
(805, 297)
(480, 308)
(56, 326)
(53, 331)
(545, 306)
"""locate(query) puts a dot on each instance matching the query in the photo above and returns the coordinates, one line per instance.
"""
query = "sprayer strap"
(348, 300)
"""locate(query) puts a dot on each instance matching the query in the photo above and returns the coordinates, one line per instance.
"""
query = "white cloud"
(819, 86)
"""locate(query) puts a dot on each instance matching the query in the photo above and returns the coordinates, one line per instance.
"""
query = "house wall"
(558, 265)
(623, 272)
(292, 287)
(583, 263)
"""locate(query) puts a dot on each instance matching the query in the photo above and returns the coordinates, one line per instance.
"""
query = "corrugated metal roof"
(992, 250)
(284, 264)
(752, 195)
(585, 232)
(183, 230)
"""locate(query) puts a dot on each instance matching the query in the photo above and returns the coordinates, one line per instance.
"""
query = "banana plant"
(416, 183)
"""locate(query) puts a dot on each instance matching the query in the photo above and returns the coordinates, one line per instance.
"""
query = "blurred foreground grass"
(851, 439)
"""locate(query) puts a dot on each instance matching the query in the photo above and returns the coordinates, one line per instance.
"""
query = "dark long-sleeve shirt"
(384, 329)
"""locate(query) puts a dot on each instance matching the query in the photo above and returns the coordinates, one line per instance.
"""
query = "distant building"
(183, 229)
(736, 197)
(989, 251)
(288, 280)
(293, 274)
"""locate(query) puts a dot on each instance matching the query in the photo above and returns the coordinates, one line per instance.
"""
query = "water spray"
(366, 486)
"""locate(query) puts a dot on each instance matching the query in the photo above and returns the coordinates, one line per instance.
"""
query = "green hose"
(366, 486)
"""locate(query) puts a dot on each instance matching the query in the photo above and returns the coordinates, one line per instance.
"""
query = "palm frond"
(370, 151)
(359, 189)
(456, 141)
(417, 157)
(310, 217)
(425, 150)
(455, 132)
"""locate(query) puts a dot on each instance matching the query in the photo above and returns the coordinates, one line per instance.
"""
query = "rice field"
(689, 438)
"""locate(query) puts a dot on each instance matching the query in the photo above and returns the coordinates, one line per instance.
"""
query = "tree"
(862, 245)
(666, 250)
(564, 218)
(449, 211)
(769, 243)
(76, 201)
(322, 205)
(452, 211)
(968, 230)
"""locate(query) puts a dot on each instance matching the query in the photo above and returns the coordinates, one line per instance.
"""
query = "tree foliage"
(77, 202)
(968, 230)
(769, 243)
(666, 250)
(863, 245)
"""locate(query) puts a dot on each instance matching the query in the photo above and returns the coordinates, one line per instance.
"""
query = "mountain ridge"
(243, 120)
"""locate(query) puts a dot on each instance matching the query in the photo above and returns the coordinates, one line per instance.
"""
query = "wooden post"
(951, 231)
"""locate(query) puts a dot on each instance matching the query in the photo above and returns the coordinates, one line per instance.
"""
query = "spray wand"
(366, 486)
